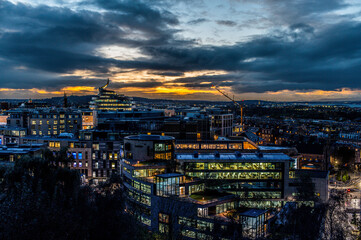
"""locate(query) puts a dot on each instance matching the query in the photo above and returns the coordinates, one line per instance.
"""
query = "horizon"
(279, 51)
(185, 100)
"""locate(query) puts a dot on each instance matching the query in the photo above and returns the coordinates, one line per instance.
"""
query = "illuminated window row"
(147, 172)
(163, 156)
(138, 185)
(139, 197)
(233, 166)
(236, 175)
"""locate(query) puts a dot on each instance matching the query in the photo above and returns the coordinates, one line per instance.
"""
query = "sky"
(277, 50)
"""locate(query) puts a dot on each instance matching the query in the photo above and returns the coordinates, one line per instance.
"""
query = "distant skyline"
(276, 50)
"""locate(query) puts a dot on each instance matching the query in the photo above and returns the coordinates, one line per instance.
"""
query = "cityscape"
(214, 120)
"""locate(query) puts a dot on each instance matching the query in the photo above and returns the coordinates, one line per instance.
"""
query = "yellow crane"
(236, 103)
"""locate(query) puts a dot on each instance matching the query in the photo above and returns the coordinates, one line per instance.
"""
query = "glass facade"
(236, 175)
(215, 146)
(168, 185)
(233, 166)
(138, 197)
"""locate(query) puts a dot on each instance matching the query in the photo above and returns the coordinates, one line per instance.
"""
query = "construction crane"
(232, 99)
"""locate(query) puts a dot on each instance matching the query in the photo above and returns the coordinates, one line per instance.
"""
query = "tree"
(336, 220)
(40, 200)
(301, 219)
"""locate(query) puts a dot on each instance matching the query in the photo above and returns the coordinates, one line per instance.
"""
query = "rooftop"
(169, 175)
(233, 156)
(253, 212)
(144, 137)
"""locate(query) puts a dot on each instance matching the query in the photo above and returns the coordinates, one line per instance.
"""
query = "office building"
(108, 100)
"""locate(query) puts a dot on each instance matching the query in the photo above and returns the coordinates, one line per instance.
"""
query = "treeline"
(41, 200)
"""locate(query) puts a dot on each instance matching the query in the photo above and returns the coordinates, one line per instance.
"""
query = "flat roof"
(145, 137)
(169, 175)
(253, 212)
(273, 148)
(17, 150)
(312, 173)
(233, 156)
(50, 138)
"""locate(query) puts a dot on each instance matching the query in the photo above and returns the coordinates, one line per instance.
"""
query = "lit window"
(74, 155)
(74, 164)
(80, 164)
(80, 155)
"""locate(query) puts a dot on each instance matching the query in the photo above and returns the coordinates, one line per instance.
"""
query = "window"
(189, 222)
(163, 228)
(80, 155)
(74, 155)
(189, 233)
(202, 212)
(146, 221)
(163, 218)
(159, 147)
(74, 164)
(57, 144)
(80, 164)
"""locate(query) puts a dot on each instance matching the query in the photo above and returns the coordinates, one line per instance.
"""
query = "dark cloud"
(147, 84)
(60, 40)
(302, 10)
(170, 74)
(197, 21)
(226, 23)
(39, 43)
(329, 60)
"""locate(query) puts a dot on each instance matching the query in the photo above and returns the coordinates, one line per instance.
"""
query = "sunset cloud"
(273, 50)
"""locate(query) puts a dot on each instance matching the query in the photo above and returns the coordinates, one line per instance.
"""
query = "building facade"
(108, 100)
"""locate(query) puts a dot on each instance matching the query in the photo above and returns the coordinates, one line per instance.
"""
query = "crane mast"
(236, 103)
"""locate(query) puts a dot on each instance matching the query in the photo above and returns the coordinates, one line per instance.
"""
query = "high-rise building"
(108, 100)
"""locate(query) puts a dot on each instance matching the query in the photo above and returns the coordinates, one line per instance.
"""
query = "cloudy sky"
(271, 49)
